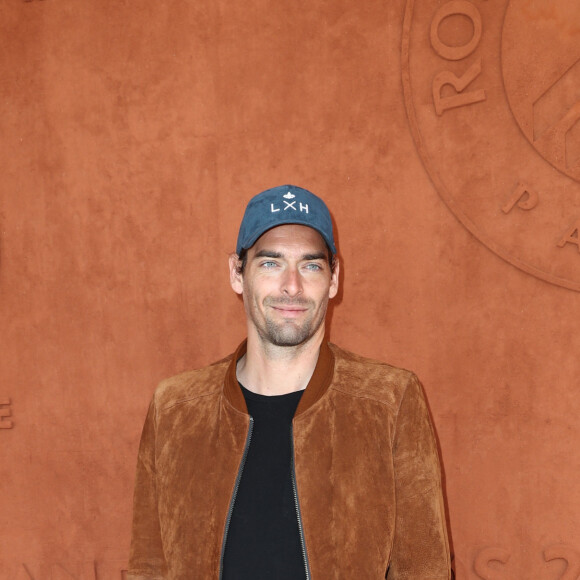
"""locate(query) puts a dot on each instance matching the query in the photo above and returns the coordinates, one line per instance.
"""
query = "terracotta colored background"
(132, 135)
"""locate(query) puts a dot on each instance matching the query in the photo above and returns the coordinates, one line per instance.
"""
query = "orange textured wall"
(445, 136)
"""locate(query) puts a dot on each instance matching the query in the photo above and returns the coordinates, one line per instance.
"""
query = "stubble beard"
(290, 332)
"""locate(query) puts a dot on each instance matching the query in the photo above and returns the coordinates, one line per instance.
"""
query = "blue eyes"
(311, 267)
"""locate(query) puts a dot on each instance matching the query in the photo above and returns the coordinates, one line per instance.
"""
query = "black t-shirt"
(263, 539)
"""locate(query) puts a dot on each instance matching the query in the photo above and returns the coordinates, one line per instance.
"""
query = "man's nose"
(292, 282)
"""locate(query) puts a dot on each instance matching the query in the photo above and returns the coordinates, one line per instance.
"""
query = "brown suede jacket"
(366, 468)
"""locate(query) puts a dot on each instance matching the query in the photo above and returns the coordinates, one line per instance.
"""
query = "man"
(291, 459)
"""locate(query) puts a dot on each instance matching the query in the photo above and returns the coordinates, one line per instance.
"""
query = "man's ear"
(333, 290)
(236, 277)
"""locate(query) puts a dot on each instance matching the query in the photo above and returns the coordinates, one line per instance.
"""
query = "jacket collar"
(317, 386)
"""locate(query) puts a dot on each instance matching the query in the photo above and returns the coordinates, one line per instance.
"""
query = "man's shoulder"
(192, 384)
(361, 376)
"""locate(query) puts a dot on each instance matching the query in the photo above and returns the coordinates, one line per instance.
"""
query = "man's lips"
(289, 310)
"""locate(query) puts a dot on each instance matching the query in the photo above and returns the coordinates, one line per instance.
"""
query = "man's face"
(286, 285)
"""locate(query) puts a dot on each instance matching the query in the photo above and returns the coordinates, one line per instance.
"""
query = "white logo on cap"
(290, 204)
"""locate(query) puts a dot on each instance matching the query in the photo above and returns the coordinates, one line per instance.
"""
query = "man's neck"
(267, 369)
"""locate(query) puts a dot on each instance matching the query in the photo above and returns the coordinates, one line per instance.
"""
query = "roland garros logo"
(492, 90)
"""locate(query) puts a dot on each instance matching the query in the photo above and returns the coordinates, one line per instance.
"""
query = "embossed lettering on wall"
(455, 53)
(502, 141)
(495, 563)
(6, 414)
(569, 555)
(523, 197)
(485, 561)
(572, 236)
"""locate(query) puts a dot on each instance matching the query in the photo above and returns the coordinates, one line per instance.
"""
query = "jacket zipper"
(235, 493)
(297, 504)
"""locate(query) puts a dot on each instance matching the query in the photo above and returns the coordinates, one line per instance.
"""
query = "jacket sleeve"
(146, 560)
(420, 547)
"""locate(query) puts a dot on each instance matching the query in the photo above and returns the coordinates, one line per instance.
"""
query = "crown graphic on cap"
(285, 204)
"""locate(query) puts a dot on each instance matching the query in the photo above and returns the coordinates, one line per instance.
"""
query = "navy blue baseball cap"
(286, 204)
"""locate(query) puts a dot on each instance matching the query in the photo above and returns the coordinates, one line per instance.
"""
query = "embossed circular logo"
(492, 90)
